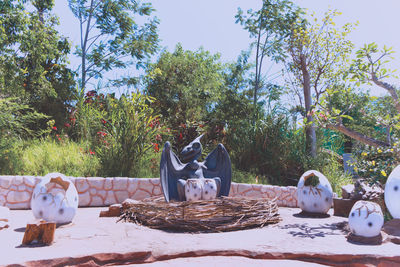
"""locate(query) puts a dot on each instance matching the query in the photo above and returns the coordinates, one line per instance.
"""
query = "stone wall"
(16, 191)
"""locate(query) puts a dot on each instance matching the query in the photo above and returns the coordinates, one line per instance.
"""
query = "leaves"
(111, 38)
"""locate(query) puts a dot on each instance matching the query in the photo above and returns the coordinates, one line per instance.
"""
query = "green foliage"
(270, 148)
(18, 120)
(239, 176)
(33, 58)
(130, 130)
(375, 164)
(88, 116)
(332, 168)
(318, 58)
(39, 157)
(186, 86)
(268, 27)
(370, 63)
(112, 37)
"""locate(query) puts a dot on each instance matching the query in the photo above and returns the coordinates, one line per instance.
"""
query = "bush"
(333, 171)
(375, 164)
(130, 131)
(270, 148)
(44, 156)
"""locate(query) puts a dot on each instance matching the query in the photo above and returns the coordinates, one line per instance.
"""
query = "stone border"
(16, 191)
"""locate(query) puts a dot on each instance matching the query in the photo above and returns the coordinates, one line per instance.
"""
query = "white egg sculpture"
(55, 199)
(314, 199)
(193, 189)
(392, 193)
(366, 219)
(210, 189)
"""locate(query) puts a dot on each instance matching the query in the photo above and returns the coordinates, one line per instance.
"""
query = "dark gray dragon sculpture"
(174, 173)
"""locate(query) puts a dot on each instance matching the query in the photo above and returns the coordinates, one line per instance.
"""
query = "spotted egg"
(366, 219)
(55, 199)
(193, 189)
(210, 189)
(392, 193)
(314, 198)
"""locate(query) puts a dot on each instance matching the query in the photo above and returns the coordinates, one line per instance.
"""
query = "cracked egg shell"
(366, 219)
(392, 193)
(314, 199)
(55, 199)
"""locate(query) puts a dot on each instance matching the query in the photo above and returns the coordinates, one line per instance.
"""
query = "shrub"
(375, 164)
(44, 156)
(271, 147)
(130, 131)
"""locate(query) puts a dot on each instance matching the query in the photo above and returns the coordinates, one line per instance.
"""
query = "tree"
(33, 58)
(111, 38)
(370, 67)
(186, 86)
(269, 26)
(318, 54)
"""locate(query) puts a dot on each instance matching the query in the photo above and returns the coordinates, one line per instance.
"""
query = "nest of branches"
(217, 215)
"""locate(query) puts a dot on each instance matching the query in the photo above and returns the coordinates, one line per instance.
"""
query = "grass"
(70, 158)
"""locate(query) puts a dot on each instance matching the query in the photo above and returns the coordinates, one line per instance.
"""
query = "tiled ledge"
(16, 191)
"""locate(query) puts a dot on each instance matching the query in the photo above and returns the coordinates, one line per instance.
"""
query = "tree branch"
(390, 88)
(356, 135)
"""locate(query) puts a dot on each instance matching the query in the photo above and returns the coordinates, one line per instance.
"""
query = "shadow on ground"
(307, 231)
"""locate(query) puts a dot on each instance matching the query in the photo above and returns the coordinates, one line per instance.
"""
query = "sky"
(211, 23)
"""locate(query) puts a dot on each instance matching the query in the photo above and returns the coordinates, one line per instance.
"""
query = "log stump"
(42, 232)
(114, 210)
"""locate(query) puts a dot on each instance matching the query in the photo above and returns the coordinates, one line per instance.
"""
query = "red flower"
(54, 128)
(67, 125)
(102, 134)
(91, 152)
(103, 121)
(180, 137)
(156, 147)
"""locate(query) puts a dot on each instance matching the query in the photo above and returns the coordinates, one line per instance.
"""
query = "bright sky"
(211, 23)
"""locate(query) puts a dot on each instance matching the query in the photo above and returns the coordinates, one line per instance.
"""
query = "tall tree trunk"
(311, 137)
(84, 45)
(257, 78)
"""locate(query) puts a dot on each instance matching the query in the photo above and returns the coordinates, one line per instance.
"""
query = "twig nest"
(366, 219)
(392, 193)
(55, 199)
(316, 196)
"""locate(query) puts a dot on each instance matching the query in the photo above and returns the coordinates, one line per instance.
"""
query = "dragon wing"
(171, 169)
(218, 164)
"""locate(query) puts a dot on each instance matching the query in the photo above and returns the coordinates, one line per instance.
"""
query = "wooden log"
(113, 211)
(47, 231)
(42, 232)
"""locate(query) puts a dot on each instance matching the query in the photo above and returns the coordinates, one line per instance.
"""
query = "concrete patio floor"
(103, 242)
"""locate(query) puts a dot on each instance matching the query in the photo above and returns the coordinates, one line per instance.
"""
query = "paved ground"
(102, 241)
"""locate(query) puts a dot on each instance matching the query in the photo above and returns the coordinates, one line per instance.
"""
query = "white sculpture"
(201, 189)
(210, 190)
(55, 199)
(366, 219)
(314, 199)
(392, 193)
(193, 189)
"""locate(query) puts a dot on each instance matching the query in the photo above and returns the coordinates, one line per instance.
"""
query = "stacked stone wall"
(16, 191)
